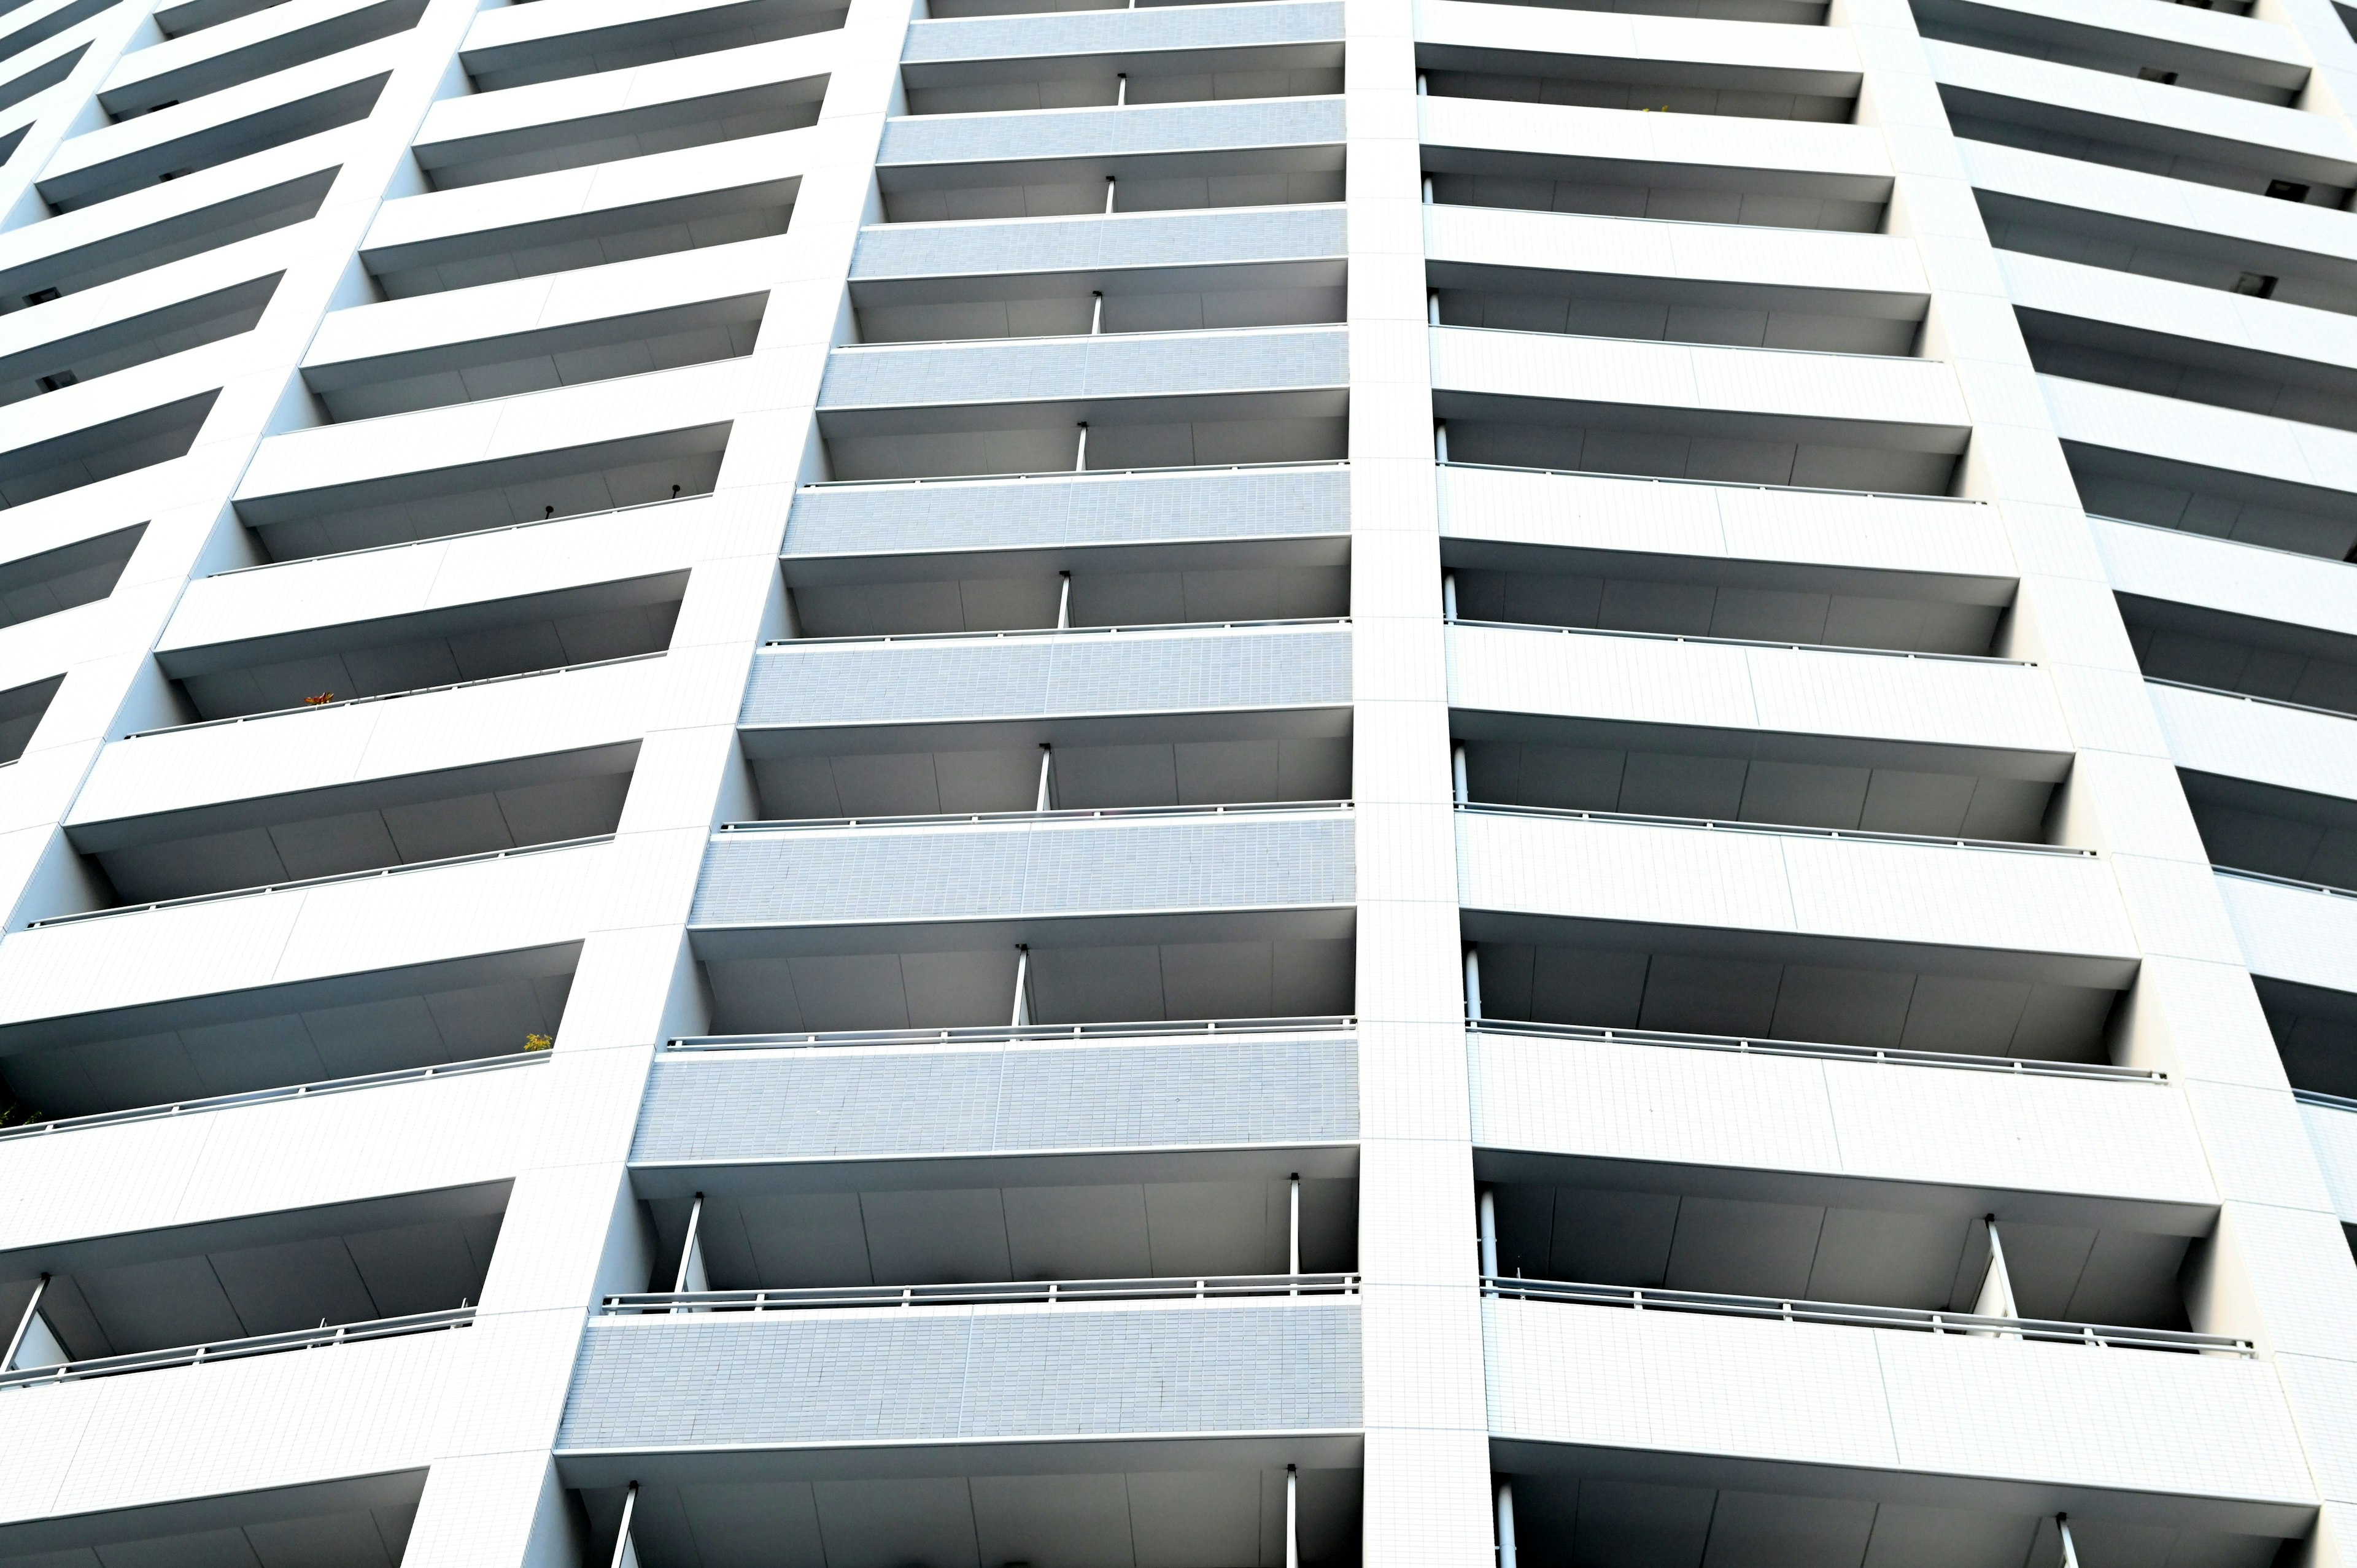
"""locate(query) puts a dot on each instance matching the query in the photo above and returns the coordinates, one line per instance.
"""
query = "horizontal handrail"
(1742, 642)
(1030, 338)
(468, 534)
(2324, 887)
(1776, 830)
(2328, 1101)
(1646, 1298)
(2247, 697)
(2216, 539)
(1075, 473)
(1055, 631)
(1743, 1046)
(1022, 1293)
(1713, 484)
(235, 1349)
(266, 1096)
(516, 853)
(1015, 1033)
(1073, 814)
(553, 670)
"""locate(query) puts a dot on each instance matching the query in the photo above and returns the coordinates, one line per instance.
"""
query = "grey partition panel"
(1109, 132)
(1025, 871)
(724, 1380)
(1069, 509)
(1211, 1093)
(1020, 369)
(954, 678)
(1141, 240)
(1087, 32)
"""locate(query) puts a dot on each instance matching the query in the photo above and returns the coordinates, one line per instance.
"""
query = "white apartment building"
(799, 784)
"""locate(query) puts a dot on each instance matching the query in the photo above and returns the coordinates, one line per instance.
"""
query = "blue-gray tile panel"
(1211, 1093)
(1109, 132)
(1068, 509)
(950, 1376)
(1026, 871)
(916, 683)
(1019, 370)
(1118, 240)
(1090, 32)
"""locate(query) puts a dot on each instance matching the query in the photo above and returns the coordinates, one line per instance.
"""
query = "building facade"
(1410, 782)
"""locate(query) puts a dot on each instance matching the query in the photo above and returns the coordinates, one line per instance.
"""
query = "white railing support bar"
(24, 1324)
(625, 1554)
(1506, 1524)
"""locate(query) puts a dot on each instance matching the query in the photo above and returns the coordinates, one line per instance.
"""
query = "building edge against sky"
(1302, 782)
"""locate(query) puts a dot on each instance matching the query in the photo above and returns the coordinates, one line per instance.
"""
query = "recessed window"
(2153, 73)
(2287, 190)
(2258, 285)
(58, 381)
(41, 296)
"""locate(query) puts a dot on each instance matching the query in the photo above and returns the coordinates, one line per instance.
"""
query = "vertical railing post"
(1293, 1229)
(1506, 1524)
(1472, 983)
(1485, 1208)
(1047, 752)
(1292, 1518)
(2070, 1547)
(625, 1555)
(24, 1325)
(1460, 776)
(1022, 986)
(687, 1248)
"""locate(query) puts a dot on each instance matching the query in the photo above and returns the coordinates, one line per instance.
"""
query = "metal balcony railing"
(1706, 484)
(267, 1096)
(1740, 1046)
(552, 672)
(2246, 697)
(1052, 631)
(1050, 1293)
(1017, 1034)
(1922, 1320)
(1065, 474)
(516, 853)
(235, 1349)
(1744, 642)
(1071, 814)
(1778, 830)
(2325, 887)
(2328, 1101)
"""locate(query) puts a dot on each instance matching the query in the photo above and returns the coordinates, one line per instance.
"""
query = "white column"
(1506, 1524)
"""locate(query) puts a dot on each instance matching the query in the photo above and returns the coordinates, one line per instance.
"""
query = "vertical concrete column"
(2278, 1271)
(573, 1231)
(1427, 1467)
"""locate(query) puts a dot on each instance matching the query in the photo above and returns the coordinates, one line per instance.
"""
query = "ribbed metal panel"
(1014, 514)
(1153, 672)
(953, 1376)
(1144, 240)
(1102, 132)
(1091, 32)
(1265, 1090)
(1026, 870)
(1016, 371)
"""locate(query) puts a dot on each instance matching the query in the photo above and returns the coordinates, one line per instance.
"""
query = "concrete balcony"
(260, 1156)
(240, 617)
(2228, 576)
(1485, 47)
(1024, 676)
(70, 982)
(1249, 1098)
(2020, 1426)
(2292, 932)
(1073, 374)
(651, 1393)
(1283, 151)
(1943, 714)
(2208, 51)
(892, 258)
(2275, 744)
(1764, 395)
(2055, 915)
(253, 46)
(2332, 1132)
(515, 49)
(2060, 1142)
(1698, 167)
(1100, 516)
(108, 1487)
(1195, 38)
(1919, 547)
(188, 775)
(763, 886)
